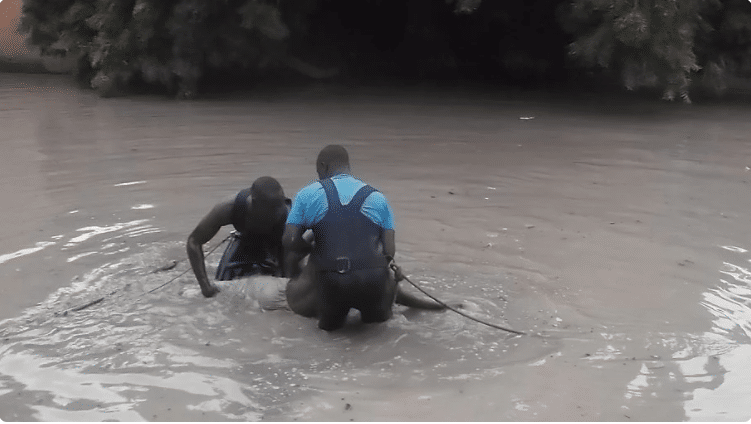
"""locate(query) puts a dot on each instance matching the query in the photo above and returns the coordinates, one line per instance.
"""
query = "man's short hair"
(333, 154)
(267, 188)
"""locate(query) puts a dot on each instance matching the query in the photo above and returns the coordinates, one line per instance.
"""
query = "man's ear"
(322, 169)
(288, 202)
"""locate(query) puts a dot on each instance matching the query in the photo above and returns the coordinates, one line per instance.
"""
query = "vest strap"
(343, 263)
(332, 195)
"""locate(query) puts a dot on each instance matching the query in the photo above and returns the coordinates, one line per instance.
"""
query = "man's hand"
(294, 247)
(398, 274)
(210, 290)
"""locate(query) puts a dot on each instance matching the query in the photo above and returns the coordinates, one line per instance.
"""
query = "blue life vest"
(345, 239)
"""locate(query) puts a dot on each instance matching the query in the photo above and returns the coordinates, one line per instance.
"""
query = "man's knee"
(377, 299)
(372, 317)
(333, 319)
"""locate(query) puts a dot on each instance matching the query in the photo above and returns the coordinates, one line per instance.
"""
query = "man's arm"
(219, 216)
(295, 248)
(389, 244)
(389, 250)
(402, 297)
(406, 299)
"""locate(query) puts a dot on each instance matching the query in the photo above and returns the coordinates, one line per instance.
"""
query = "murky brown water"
(618, 234)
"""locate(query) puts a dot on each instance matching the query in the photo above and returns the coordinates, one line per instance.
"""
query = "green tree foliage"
(725, 51)
(663, 43)
(176, 44)
(649, 41)
(165, 42)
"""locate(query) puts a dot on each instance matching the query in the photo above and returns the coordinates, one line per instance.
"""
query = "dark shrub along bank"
(185, 45)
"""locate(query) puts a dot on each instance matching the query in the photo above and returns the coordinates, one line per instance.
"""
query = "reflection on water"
(729, 348)
(23, 252)
(730, 303)
(707, 371)
(721, 402)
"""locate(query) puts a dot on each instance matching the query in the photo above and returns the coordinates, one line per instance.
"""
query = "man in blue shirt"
(353, 229)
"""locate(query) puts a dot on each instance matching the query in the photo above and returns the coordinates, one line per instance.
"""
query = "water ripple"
(23, 252)
(720, 371)
(220, 358)
(96, 230)
(730, 303)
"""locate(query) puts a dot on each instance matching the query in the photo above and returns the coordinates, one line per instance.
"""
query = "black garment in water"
(248, 253)
(244, 257)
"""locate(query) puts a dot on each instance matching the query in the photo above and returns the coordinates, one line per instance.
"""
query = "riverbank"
(23, 66)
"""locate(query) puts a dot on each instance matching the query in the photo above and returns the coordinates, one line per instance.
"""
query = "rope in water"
(183, 273)
(94, 302)
(395, 267)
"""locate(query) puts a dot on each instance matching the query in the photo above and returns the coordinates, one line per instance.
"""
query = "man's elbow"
(192, 245)
(389, 245)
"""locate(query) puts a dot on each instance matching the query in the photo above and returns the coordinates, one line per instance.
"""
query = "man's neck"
(338, 173)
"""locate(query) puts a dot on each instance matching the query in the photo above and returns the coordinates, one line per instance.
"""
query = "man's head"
(266, 188)
(332, 160)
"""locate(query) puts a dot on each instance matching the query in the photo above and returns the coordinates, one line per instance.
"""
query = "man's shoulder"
(307, 200)
(376, 199)
(310, 189)
(307, 195)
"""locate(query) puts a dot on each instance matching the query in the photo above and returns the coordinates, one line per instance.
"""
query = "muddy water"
(617, 235)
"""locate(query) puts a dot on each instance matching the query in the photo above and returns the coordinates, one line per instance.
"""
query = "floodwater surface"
(616, 235)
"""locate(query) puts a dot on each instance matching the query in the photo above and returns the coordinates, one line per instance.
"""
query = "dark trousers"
(371, 291)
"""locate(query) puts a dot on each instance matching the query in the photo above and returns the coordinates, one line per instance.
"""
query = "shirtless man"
(258, 214)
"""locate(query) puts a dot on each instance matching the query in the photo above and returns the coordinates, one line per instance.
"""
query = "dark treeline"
(183, 46)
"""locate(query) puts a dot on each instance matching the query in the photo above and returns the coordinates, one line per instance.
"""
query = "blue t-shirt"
(310, 204)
